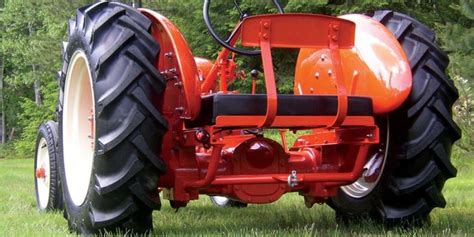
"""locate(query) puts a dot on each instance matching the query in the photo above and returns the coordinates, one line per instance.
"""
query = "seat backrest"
(297, 31)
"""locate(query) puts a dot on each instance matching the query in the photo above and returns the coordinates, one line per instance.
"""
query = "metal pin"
(293, 179)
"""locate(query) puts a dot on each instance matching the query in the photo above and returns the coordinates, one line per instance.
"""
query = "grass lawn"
(288, 216)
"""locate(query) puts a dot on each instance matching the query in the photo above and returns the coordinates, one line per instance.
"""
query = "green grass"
(288, 216)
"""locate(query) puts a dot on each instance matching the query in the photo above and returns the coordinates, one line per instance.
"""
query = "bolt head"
(323, 57)
(169, 55)
(254, 73)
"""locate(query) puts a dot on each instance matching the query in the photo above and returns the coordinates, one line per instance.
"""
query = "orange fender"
(376, 67)
(176, 62)
(204, 67)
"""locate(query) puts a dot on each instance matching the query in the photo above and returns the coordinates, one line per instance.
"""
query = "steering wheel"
(226, 43)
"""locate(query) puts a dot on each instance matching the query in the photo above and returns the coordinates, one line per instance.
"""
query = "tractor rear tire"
(47, 184)
(422, 132)
(110, 93)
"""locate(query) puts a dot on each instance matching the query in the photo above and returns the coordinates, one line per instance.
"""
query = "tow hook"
(293, 179)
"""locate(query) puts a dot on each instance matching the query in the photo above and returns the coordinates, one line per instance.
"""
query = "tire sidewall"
(76, 214)
(54, 198)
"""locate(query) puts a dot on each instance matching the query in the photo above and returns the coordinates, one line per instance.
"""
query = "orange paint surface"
(376, 67)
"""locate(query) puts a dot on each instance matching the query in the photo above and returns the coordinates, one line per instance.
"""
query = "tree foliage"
(31, 35)
(458, 40)
(32, 31)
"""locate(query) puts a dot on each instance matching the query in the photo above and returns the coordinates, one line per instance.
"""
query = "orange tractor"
(139, 115)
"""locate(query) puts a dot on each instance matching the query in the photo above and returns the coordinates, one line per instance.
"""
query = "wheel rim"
(376, 163)
(78, 128)
(43, 179)
(220, 200)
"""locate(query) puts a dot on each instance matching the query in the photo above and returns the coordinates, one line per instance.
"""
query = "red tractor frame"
(219, 157)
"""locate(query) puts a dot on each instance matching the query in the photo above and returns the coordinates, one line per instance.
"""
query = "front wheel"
(109, 122)
(47, 185)
(416, 163)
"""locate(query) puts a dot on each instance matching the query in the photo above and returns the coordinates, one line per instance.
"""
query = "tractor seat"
(288, 105)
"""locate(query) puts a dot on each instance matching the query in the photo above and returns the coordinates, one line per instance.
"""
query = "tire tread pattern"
(413, 192)
(422, 132)
(121, 54)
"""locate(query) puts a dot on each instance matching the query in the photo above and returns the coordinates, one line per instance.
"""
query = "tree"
(457, 37)
(31, 33)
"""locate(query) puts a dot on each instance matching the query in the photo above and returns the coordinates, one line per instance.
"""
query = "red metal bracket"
(211, 170)
(338, 74)
(265, 46)
(211, 78)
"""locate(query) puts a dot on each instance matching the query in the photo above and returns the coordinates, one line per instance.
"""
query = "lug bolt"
(169, 55)
(178, 84)
(180, 109)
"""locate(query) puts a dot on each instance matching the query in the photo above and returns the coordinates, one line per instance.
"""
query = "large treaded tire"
(127, 89)
(49, 132)
(422, 132)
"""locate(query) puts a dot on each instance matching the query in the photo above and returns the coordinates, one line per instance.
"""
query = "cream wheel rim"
(43, 181)
(220, 200)
(361, 187)
(78, 128)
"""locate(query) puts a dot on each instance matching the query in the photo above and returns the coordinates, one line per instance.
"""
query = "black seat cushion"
(288, 105)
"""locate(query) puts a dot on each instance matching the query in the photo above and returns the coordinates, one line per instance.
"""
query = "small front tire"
(47, 185)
